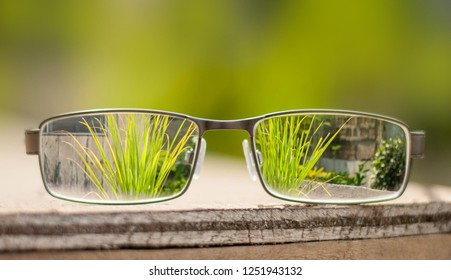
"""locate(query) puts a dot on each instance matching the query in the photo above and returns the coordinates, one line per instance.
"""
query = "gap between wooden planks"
(436, 246)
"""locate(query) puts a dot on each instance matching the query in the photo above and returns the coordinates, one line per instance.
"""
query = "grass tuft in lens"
(331, 158)
(291, 148)
(118, 157)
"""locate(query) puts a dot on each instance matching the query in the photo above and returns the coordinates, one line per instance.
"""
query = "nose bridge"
(244, 124)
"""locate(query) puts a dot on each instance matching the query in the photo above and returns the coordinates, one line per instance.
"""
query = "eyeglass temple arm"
(417, 149)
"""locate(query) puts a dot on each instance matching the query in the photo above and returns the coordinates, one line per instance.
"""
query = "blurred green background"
(233, 59)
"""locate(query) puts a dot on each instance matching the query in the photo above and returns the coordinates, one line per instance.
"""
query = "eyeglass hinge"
(418, 144)
(32, 141)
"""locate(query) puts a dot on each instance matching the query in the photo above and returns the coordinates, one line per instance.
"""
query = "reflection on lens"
(118, 157)
(331, 158)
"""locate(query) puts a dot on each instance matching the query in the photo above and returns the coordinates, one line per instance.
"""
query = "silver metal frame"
(415, 144)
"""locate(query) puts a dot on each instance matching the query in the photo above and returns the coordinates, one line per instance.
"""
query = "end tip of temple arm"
(418, 144)
(32, 141)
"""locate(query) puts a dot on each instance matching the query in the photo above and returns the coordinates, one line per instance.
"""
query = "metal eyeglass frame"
(415, 144)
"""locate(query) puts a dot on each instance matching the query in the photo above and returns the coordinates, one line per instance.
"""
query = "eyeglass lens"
(331, 158)
(118, 157)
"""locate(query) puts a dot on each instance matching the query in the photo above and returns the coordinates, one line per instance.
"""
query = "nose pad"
(249, 160)
(200, 159)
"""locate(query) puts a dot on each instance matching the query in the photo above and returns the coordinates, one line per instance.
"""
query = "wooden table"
(223, 215)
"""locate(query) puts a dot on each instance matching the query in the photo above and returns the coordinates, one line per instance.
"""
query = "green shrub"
(388, 167)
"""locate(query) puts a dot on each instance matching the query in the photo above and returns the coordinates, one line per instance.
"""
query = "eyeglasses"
(142, 156)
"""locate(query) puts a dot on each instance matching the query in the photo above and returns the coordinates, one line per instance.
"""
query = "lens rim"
(118, 111)
(396, 122)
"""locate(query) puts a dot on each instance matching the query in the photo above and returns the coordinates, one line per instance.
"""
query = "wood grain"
(213, 227)
(66, 170)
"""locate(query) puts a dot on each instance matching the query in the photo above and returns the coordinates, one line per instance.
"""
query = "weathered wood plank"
(220, 227)
(436, 246)
(68, 170)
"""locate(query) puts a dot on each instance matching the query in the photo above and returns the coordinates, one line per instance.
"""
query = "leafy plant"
(136, 156)
(360, 175)
(335, 149)
(389, 165)
(290, 148)
(339, 178)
